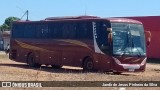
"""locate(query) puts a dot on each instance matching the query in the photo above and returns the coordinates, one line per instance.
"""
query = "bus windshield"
(128, 39)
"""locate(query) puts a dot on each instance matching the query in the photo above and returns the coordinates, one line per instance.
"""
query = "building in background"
(4, 39)
(1, 41)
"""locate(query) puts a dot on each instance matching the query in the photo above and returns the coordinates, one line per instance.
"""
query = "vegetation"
(7, 24)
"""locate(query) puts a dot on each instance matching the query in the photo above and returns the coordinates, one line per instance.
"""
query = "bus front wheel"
(88, 64)
(31, 61)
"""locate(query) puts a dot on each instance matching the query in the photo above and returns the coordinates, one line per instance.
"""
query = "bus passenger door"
(102, 45)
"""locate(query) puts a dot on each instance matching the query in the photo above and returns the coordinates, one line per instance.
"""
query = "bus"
(91, 42)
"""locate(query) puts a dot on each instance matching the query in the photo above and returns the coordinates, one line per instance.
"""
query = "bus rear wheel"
(31, 61)
(88, 65)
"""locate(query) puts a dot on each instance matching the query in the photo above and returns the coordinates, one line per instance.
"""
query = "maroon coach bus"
(90, 42)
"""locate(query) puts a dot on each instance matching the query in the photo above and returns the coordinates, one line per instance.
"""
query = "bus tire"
(31, 61)
(56, 66)
(88, 64)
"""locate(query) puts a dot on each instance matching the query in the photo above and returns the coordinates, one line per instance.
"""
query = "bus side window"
(90, 30)
(65, 31)
(84, 30)
(72, 28)
(102, 37)
(55, 31)
(29, 31)
(17, 31)
(105, 32)
(69, 31)
(42, 31)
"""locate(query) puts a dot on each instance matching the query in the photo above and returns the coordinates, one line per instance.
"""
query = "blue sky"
(40, 9)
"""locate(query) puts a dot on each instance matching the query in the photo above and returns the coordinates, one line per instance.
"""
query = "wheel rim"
(90, 65)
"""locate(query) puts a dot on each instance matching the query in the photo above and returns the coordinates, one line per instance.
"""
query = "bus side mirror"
(109, 30)
(148, 37)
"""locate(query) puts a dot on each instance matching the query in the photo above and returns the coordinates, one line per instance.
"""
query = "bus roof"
(74, 18)
(71, 17)
(123, 20)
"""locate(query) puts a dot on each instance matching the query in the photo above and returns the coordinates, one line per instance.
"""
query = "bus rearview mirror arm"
(109, 30)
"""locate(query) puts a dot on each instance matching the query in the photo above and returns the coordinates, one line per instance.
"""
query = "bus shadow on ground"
(43, 68)
(153, 60)
(60, 70)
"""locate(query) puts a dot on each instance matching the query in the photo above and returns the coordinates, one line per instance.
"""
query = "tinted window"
(55, 30)
(69, 30)
(102, 36)
(42, 31)
(17, 30)
(29, 31)
(84, 30)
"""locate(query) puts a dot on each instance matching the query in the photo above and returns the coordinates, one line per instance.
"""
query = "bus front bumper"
(119, 67)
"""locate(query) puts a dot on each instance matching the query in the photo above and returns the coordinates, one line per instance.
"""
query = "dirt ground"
(14, 71)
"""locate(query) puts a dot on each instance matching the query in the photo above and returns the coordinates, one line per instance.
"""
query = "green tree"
(8, 22)
(4, 27)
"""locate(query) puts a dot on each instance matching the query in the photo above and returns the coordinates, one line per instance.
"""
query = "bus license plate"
(131, 70)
